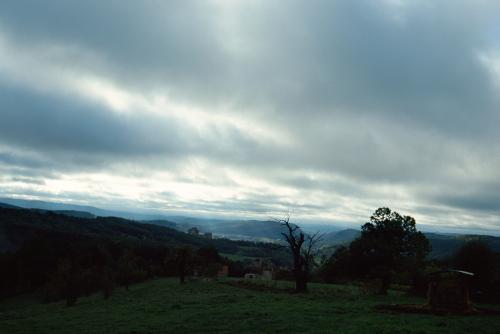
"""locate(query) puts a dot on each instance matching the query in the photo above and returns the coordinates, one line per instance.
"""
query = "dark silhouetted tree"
(478, 258)
(303, 249)
(63, 284)
(128, 269)
(107, 283)
(183, 258)
(338, 267)
(389, 243)
(208, 261)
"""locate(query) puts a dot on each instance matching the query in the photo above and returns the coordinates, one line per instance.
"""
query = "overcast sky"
(327, 109)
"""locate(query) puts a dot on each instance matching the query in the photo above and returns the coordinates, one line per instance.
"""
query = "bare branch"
(311, 251)
(302, 247)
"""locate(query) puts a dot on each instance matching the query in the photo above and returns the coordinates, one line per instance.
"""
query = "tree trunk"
(386, 282)
(300, 282)
(299, 274)
(182, 271)
(182, 275)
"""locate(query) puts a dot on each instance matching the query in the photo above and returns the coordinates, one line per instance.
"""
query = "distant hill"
(342, 237)
(243, 229)
(70, 209)
(255, 230)
(232, 229)
(45, 206)
(18, 226)
(161, 222)
(71, 213)
(250, 228)
(443, 245)
(5, 205)
(236, 229)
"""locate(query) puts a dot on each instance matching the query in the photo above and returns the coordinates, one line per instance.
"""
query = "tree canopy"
(388, 243)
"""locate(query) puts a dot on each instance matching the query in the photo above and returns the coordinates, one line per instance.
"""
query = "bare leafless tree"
(303, 248)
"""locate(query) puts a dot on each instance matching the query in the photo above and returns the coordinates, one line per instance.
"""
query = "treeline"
(390, 250)
(69, 266)
(63, 257)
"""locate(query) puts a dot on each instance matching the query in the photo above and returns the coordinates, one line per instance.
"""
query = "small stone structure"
(268, 275)
(194, 231)
(264, 268)
(449, 290)
(224, 271)
(448, 293)
(252, 276)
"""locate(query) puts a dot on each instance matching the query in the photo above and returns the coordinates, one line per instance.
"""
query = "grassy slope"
(162, 306)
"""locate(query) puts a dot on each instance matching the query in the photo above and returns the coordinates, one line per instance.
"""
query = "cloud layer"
(251, 108)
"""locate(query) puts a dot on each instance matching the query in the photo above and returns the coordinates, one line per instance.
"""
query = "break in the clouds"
(329, 109)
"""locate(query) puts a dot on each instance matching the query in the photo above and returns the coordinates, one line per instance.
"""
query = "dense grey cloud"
(38, 122)
(254, 107)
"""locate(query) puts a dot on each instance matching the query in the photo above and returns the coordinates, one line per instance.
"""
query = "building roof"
(454, 271)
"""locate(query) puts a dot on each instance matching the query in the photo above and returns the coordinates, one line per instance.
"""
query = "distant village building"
(258, 263)
(208, 235)
(268, 275)
(260, 268)
(194, 231)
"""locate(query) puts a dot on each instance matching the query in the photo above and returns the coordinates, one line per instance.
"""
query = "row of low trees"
(65, 268)
(390, 249)
(64, 257)
(389, 243)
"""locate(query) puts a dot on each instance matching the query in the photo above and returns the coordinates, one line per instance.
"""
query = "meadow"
(164, 306)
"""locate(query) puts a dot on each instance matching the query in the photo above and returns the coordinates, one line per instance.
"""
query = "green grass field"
(164, 306)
